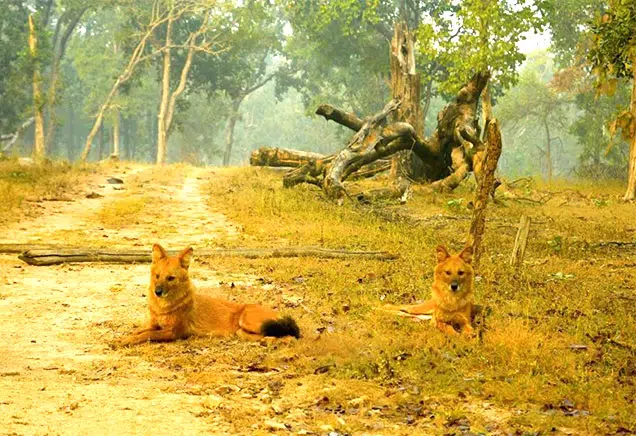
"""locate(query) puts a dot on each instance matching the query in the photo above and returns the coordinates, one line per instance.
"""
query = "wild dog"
(451, 304)
(177, 311)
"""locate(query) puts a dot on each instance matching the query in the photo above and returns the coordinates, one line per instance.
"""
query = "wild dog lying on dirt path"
(177, 311)
(452, 293)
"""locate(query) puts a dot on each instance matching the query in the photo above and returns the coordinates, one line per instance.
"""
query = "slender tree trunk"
(116, 127)
(630, 194)
(70, 146)
(229, 130)
(39, 150)
(548, 151)
(486, 107)
(125, 125)
(117, 118)
(100, 150)
(136, 57)
(60, 49)
(162, 129)
(427, 104)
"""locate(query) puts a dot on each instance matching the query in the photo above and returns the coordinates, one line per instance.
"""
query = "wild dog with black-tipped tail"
(177, 311)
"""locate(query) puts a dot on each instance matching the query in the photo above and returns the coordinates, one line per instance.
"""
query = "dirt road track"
(58, 374)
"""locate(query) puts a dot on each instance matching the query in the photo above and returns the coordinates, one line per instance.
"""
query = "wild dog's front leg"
(446, 328)
(152, 335)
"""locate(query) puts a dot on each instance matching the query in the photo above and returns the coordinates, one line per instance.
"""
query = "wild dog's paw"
(468, 331)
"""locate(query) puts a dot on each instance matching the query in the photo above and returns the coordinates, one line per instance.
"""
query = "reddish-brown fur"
(177, 311)
(450, 308)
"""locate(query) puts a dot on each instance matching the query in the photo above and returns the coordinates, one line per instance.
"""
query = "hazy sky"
(534, 42)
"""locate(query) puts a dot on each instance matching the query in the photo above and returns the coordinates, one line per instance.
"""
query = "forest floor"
(555, 353)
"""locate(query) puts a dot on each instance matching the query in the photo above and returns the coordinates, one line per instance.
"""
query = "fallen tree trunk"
(282, 157)
(448, 156)
(60, 255)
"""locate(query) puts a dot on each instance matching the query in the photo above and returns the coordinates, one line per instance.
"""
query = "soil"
(58, 371)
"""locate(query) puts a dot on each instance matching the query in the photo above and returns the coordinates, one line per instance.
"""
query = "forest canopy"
(208, 81)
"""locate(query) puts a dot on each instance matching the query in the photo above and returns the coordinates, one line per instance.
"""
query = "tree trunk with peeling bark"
(405, 88)
(630, 194)
(39, 148)
(485, 187)
(162, 130)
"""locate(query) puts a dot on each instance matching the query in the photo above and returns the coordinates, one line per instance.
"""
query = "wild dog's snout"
(454, 285)
(159, 291)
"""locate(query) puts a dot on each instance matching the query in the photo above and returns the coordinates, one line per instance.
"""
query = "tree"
(69, 16)
(480, 35)
(535, 99)
(13, 64)
(195, 42)
(253, 32)
(139, 53)
(613, 56)
(38, 147)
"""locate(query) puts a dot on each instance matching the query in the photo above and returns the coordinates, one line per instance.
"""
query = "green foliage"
(15, 64)
(479, 35)
(614, 50)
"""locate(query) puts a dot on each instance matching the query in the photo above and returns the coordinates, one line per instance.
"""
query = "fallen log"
(282, 157)
(445, 158)
(65, 255)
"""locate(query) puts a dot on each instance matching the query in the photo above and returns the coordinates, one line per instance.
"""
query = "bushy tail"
(285, 326)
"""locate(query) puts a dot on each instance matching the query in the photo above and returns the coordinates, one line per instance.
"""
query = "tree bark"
(447, 156)
(486, 107)
(60, 49)
(229, 130)
(347, 119)
(548, 151)
(405, 88)
(485, 188)
(282, 157)
(521, 241)
(39, 150)
(116, 134)
(162, 130)
(116, 120)
(630, 194)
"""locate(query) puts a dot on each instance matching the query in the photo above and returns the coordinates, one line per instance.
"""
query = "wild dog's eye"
(448, 273)
(157, 275)
(461, 273)
(170, 278)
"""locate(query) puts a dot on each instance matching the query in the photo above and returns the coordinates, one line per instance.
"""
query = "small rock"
(273, 425)
(114, 181)
(93, 195)
(359, 401)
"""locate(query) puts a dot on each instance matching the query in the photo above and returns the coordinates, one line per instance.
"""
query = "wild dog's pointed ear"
(158, 253)
(442, 253)
(185, 257)
(467, 254)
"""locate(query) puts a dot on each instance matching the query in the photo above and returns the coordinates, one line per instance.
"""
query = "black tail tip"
(279, 328)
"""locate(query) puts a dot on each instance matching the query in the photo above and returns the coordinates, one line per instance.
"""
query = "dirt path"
(58, 374)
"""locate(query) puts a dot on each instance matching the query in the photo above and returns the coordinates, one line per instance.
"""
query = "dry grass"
(20, 184)
(123, 211)
(521, 375)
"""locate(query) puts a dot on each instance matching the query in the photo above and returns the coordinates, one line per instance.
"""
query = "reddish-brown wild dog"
(451, 302)
(177, 311)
